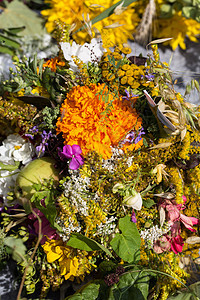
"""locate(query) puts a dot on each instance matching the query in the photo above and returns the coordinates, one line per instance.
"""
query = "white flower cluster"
(152, 234)
(86, 53)
(67, 230)
(108, 227)
(14, 149)
(76, 189)
(109, 164)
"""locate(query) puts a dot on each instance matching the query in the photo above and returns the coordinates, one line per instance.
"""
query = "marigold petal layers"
(87, 123)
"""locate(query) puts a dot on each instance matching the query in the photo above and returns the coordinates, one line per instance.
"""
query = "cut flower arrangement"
(100, 175)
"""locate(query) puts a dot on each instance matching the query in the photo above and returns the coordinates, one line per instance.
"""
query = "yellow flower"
(40, 90)
(72, 262)
(178, 27)
(159, 172)
(119, 28)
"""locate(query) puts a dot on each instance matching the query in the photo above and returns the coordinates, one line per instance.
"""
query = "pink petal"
(189, 222)
(74, 164)
(80, 159)
(67, 151)
(173, 212)
(76, 150)
(177, 244)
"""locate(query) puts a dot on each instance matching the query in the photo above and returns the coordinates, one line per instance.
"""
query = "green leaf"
(127, 243)
(18, 14)
(7, 50)
(17, 247)
(88, 292)
(187, 295)
(148, 203)
(182, 296)
(9, 168)
(82, 242)
(9, 42)
(15, 30)
(133, 285)
(36, 100)
(191, 12)
(49, 210)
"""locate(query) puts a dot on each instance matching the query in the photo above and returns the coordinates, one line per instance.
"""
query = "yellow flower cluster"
(73, 262)
(122, 24)
(126, 74)
(178, 27)
(119, 27)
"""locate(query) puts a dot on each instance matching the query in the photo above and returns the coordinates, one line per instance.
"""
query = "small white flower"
(15, 148)
(86, 53)
(134, 201)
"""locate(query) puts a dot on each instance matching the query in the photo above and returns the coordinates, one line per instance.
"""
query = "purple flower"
(150, 77)
(42, 146)
(133, 217)
(73, 152)
(32, 130)
(128, 96)
(138, 138)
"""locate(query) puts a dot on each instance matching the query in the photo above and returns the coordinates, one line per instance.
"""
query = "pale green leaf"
(17, 14)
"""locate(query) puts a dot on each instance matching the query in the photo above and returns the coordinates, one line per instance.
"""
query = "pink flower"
(73, 152)
(189, 222)
(162, 244)
(173, 212)
(177, 244)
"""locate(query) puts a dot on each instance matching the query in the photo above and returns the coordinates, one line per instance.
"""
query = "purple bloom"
(128, 96)
(138, 138)
(45, 137)
(73, 152)
(133, 217)
(32, 130)
(150, 77)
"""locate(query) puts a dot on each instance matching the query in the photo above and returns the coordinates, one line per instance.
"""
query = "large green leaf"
(194, 294)
(17, 14)
(127, 244)
(82, 242)
(133, 285)
(88, 292)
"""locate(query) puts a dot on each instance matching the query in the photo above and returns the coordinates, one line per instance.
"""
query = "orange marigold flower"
(53, 63)
(84, 123)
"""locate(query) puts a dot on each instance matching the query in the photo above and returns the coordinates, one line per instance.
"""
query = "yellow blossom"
(72, 262)
(72, 12)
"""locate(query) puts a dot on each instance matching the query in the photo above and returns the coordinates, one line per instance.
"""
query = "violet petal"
(74, 164)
